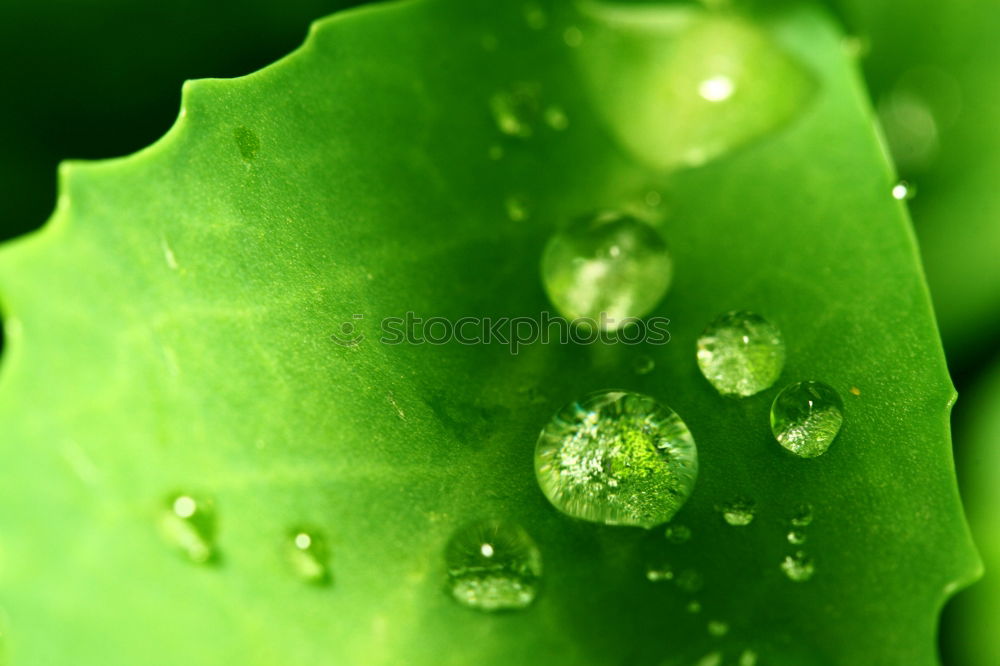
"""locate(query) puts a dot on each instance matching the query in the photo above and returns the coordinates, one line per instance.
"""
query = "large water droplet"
(741, 353)
(617, 458)
(680, 87)
(738, 513)
(607, 267)
(493, 565)
(798, 567)
(309, 556)
(806, 417)
(188, 524)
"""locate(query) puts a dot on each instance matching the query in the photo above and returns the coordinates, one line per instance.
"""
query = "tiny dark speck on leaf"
(247, 142)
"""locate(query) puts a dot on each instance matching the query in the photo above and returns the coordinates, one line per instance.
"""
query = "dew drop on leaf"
(738, 513)
(188, 524)
(798, 567)
(643, 365)
(617, 458)
(556, 118)
(677, 533)
(718, 628)
(710, 659)
(535, 16)
(493, 565)
(309, 555)
(806, 417)
(693, 607)
(903, 191)
(741, 353)
(796, 537)
(516, 110)
(747, 658)
(608, 264)
(517, 208)
(656, 573)
(690, 580)
(802, 516)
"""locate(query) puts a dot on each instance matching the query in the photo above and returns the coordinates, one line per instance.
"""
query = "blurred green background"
(89, 79)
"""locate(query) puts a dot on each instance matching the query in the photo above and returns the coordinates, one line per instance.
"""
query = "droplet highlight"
(796, 537)
(738, 513)
(516, 110)
(741, 354)
(308, 555)
(188, 524)
(806, 417)
(617, 458)
(493, 565)
(798, 567)
(903, 191)
(609, 268)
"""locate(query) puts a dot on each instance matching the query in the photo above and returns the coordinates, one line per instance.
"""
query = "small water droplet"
(643, 365)
(617, 458)
(690, 580)
(802, 516)
(798, 567)
(572, 36)
(903, 191)
(710, 659)
(855, 46)
(535, 16)
(796, 537)
(659, 573)
(677, 533)
(741, 353)
(693, 607)
(747, 658)
(653, 198)
(738, 513)
(247, 142)
(516, 110)
(493, 565)
(188, 523)
(608, 267)
(556, 118)
(309, 555)
(717, 628)
(806, 417)
(517, 208)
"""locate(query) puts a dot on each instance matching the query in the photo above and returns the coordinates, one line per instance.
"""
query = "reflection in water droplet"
(796, 537)
(643, 365)
(493, 565)
(802, 516)
(738, 513)
(798, 567)
(617, 458)
(556, 118)
(535, 17)
(903, 191)
(717, 628)
(747, 658)
(741, 353)
(309, 555)
(188, 524)
(517, 208)
(516, 110)
(806, 417)
(677, 533)
(572, 36)
(247, 142)
(690, 580)
(608, 267)
(681, 87)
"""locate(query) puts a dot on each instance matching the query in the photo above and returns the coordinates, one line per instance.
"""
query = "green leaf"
(171, 331)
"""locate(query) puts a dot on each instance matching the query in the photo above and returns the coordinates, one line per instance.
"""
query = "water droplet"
(806, 417)
(710, 659)
(802, 516)
(659, 573)
(572, 36)
(677, 533)
(517, 208)
(680, 88)
(535, 17)
(617, 458)
(694, 607)
(309, 556)
(188, 524)
(738, 513)
(516, 110)
(493, 565)
(653, 198)
(690, 580)
(903, 191)
(798, 567)
(643, 365)
(607, 267)
(741, 353)
(556, 118)
(717, 628)
(747, 658)
(796, 537)
(247, 142)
